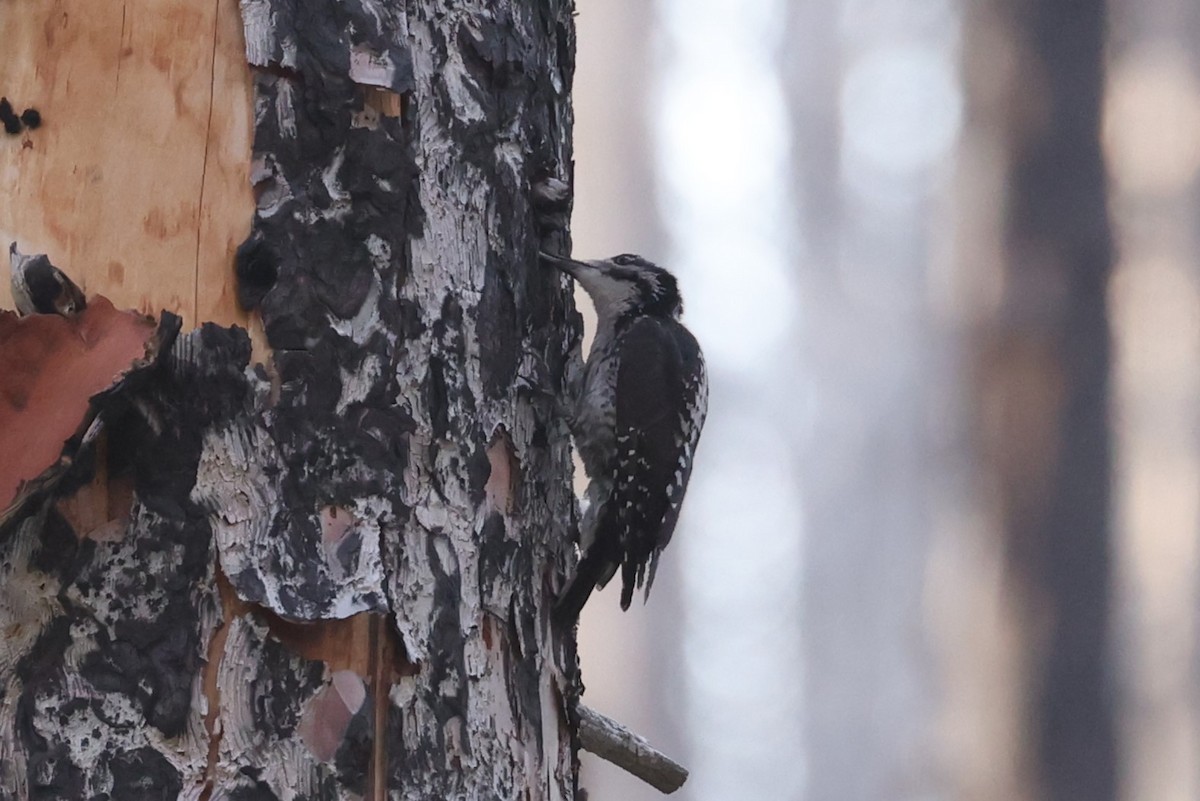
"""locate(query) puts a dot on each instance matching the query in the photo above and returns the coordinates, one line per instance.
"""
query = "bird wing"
(661, 404)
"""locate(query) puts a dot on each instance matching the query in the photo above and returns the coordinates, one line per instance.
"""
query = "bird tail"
(593, 569)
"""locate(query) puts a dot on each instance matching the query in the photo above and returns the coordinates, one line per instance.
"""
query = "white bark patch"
(272, 187)
(260, 34)
(28, 603)
(28, 600)
(285, 110)
(359, 328)
(232, 480)
(462, 89)
(370, 68)
(237, 480)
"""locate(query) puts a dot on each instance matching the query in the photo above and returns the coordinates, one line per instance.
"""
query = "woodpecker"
(38, 287)
(636, 421)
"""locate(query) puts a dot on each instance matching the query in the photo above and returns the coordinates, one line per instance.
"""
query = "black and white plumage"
(636, 423)
(38, 287)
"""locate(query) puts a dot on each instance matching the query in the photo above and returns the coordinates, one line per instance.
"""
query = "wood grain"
(136, 184)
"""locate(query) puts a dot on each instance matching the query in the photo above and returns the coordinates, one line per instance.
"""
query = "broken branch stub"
(609, 740)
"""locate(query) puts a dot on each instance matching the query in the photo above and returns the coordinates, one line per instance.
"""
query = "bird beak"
(16, 259)
(569, 266)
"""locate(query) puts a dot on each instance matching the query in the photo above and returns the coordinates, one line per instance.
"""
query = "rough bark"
(329, 576)
(1043, 380)
(611, 741)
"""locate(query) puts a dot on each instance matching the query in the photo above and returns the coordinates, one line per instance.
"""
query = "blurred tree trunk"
(1036, 75)
(327, 576)
(1152, 124)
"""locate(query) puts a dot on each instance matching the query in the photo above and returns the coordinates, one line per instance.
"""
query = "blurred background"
(941, 537)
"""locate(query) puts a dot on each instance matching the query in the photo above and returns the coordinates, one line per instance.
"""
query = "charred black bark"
(106, 631)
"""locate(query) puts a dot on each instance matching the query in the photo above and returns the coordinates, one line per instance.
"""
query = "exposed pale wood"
(358, 643)
(231, 607)
(227, 200)
(136, 182)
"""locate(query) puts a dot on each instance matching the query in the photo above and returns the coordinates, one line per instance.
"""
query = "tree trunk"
(1043, 361)
(327, 575)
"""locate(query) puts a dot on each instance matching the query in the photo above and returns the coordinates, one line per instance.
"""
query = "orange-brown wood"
(136, 183)
(50, 367)
(100, 509)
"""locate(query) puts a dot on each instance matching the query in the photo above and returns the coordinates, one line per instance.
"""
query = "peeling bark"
(59, 375)
(330, 575)
(288, 725)
(104, 637)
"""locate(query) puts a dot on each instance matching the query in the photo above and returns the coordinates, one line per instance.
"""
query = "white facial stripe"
(609, 294)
